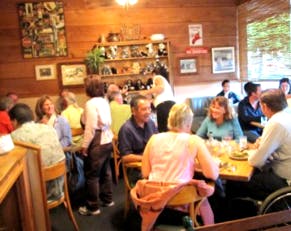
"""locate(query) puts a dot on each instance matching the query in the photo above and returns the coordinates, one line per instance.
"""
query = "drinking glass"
(243, 142)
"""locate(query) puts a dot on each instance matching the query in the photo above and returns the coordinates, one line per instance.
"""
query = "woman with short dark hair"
(97, 148)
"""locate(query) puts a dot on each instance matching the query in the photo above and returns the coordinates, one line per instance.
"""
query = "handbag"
(76, 177)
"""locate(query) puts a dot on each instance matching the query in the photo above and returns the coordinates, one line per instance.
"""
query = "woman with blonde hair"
(220, 121)
(170, 156)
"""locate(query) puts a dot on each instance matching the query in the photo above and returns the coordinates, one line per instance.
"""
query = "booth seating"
(199, 106)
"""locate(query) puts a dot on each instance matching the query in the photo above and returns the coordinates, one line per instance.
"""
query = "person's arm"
(146, 166)
(66, 135)
(235, 97)
(209, 168)
(90, 125)
(271, 139)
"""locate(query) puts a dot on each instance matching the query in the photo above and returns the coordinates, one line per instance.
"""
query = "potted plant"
(93, 59)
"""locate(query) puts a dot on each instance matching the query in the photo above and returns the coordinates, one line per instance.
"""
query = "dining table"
(230, 168)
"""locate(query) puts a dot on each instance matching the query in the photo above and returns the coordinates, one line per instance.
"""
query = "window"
(264, 36)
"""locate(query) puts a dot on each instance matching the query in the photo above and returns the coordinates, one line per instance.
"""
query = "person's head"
(19, 114)
(284, 85)
(272, 101)
(116, 96)
(6, 103)
(219, 109)
(225, 85)
(94, 87)
(180, 118)
(161, 70)
(13, 96)
(253, 89)
(70, 98)
(44, 106)
(140, 108)
(112, 88)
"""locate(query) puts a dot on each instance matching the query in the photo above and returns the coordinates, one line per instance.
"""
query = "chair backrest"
(37, 186)
(54, 171)
(77, 131)
(125, 166)
(188, 194)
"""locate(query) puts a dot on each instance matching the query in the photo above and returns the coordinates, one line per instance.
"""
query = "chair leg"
(71, 215)
(127, 203)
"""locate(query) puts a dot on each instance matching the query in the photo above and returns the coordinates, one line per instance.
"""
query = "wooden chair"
(116, 158)
(37, 186)
(188, 195)
(77, 131)
(51, 173)
(127, 185)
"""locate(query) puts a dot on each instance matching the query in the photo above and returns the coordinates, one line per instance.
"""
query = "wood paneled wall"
(86, 20)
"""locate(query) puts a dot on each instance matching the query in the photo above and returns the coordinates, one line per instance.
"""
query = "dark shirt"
(132, 139)
(246, 114)
(231, 96)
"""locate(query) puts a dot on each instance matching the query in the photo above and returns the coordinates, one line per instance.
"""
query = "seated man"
(45, 136)
(135, 132)
(272, 158)
(119, 112)
(249, 110)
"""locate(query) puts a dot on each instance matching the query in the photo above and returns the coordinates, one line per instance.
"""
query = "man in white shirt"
(272, 159)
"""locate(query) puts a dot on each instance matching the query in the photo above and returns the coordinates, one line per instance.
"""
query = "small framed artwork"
(72, 74)
(195, 35)
(45, 72)
(188, 65)
(223, 60)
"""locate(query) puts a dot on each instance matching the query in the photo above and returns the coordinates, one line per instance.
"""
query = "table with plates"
(230, 168)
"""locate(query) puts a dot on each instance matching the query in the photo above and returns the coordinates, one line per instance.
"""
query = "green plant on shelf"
(93, 59)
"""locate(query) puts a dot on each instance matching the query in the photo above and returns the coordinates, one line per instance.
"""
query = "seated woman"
(45, 112)
(220, 121)
(73, 113)
(27, 130)
(170, 156)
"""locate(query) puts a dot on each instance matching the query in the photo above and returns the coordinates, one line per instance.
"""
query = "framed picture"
(72, 74)
(42, 29)
(223, 60)
(45, 72)
(195, 35)
(188, 65)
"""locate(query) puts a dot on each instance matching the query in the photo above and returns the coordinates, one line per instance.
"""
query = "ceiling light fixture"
(126, 3)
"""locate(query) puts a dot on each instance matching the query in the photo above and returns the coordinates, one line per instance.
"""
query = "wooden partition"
(37, 186)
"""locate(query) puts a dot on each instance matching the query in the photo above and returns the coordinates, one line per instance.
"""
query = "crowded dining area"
(145, 115)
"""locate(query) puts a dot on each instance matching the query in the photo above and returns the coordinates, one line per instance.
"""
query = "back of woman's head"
(94, 87)
(39, 106)
(21, 112)
(180, 117)
(161, 70)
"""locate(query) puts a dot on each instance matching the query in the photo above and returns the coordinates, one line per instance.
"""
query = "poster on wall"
(195, 35)
(42, 28)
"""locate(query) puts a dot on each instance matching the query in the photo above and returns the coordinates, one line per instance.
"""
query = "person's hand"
(84, 151)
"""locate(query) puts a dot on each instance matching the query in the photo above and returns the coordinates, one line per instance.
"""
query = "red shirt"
(5, 123)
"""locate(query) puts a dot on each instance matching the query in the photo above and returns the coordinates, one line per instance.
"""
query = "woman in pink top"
(170, 156)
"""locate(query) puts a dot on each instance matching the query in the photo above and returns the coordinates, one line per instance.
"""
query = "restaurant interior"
(44, 48)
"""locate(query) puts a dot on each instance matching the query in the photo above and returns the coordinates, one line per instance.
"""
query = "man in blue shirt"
(249, 110)
(135, 133)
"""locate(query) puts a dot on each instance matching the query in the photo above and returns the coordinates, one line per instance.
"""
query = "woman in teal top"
(220, 122)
